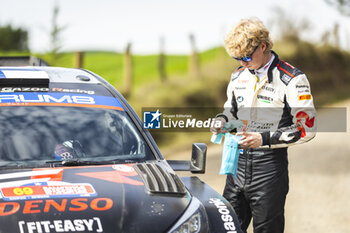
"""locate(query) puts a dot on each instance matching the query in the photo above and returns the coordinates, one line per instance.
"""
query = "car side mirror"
(198, 158)
(197, 162)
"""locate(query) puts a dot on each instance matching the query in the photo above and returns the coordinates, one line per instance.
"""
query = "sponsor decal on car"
(22, 73)
(61, 205)
(226, 217)
(47, 183)
(58, 89)
(47, 190)
(28, 178)
(66, 225)
(59, 99)
(24, 89)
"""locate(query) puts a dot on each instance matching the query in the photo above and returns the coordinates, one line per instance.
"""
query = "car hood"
(113, 198)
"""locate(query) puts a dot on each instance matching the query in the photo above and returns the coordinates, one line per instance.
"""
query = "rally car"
(76, 158)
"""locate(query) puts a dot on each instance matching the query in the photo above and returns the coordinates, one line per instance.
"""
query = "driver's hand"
(218, 124)
(249, 140)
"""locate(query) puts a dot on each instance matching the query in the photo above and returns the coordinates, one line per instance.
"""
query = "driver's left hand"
(249, 140)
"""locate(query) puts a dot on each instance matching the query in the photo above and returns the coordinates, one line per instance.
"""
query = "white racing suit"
(280, 107)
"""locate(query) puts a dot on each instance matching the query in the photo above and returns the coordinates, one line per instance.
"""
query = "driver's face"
(258, 58)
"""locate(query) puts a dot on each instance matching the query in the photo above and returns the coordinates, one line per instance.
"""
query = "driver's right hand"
(218, 126)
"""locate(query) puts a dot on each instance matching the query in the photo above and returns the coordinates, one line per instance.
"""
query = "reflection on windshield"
(38, 133)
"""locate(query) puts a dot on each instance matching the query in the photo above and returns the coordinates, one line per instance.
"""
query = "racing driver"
(274, 101)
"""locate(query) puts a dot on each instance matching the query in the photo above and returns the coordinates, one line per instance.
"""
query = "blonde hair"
(245, 36)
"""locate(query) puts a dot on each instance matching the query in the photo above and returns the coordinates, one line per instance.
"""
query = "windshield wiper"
(74, 162)
(78, 162)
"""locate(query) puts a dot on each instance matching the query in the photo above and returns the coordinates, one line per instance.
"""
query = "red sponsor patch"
(47, 191)
(243, 81)
(309, 122)
(304, 97)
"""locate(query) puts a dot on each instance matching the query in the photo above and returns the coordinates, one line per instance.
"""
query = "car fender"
(221, 215)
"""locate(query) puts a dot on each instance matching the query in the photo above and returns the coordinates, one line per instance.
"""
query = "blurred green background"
(170, 54)
(325, 65)
(197, 79)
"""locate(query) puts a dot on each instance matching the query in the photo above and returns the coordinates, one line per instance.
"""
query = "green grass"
(321, 64)
(109, 65)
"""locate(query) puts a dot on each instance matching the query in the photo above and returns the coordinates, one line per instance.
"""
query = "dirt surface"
(319, 187)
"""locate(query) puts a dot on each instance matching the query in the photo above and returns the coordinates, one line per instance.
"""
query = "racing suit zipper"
(249, 152)
(250, 166)
(257, 88)
(248, 170)
(245, 167)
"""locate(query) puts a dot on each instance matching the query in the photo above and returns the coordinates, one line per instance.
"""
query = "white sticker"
(123, 168)
(20, 73)
(67, 225)
(286, 78)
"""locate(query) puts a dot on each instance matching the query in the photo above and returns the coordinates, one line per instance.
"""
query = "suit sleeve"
(230, 106)
(300, 109)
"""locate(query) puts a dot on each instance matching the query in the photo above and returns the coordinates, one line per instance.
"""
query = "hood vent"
(158, 181)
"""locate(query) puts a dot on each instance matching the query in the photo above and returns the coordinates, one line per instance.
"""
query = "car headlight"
(194, 220)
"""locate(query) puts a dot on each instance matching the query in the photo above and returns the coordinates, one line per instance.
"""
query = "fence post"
(336, 35)
(161, 61)
(128, 67)
(194, 59)
(79, 59)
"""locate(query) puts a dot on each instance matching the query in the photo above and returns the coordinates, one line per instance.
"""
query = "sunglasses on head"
(247, 58)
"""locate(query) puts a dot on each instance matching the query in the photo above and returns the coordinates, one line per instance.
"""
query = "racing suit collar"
(272, 66)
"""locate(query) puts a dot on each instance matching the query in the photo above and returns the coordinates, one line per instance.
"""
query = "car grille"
(158, 181)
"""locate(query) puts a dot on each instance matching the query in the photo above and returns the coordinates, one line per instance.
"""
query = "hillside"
(325, 66)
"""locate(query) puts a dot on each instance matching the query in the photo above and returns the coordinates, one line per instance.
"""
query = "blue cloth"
(216, 138)
(230, 155)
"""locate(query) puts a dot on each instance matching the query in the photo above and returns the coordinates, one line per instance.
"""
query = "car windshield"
(34, 135)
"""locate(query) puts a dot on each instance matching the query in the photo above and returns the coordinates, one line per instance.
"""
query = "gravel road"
(319, 173)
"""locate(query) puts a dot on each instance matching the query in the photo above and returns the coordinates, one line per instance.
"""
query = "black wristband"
(222, 116)
(266, 138)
